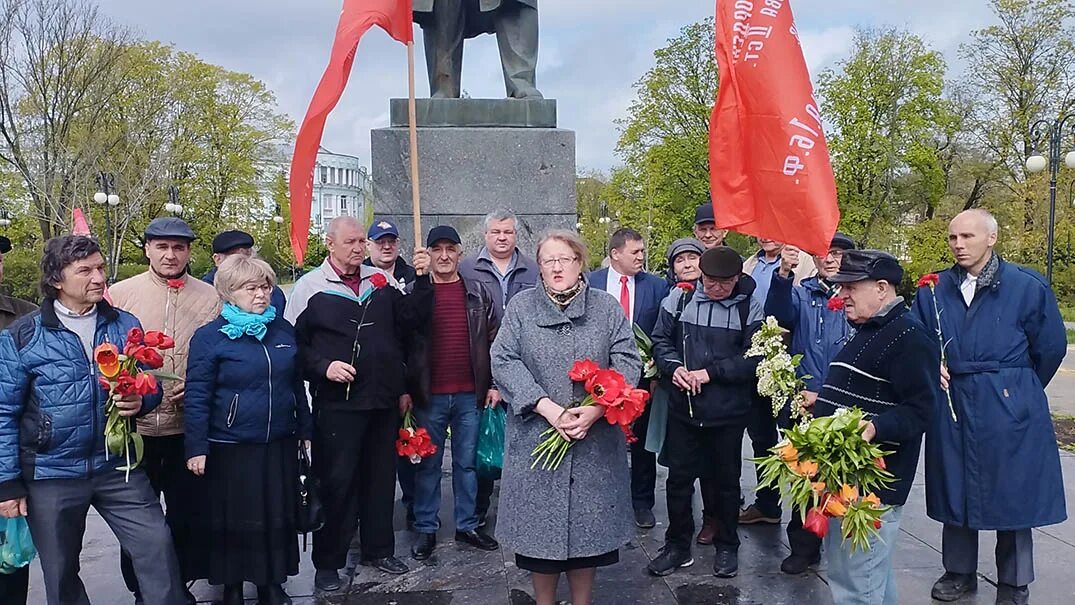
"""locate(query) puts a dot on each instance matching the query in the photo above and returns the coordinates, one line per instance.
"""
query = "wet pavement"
(458, 574)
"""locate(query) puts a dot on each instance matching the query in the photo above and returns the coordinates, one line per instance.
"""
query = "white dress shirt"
(613, 288)
(968, 287)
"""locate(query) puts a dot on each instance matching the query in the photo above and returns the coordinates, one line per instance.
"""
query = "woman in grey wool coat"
(575, 518)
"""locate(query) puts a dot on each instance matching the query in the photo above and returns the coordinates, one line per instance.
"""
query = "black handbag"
(309, 515)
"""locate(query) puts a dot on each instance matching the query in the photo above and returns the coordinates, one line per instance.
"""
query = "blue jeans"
(460, 411)
(864, 578)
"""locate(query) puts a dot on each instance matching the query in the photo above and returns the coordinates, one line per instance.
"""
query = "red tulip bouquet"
(605, 387)
(414, 442)
(121, 377)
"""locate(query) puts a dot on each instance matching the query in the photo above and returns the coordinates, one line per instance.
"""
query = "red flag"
(770, 174)
(357, 17)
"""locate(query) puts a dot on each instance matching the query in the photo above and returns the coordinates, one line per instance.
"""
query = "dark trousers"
(803, 543)
(14, 586)
(643, 467)
(486, 485)
(763, 437)
(1015, 554)
(165, 463)
(354, 458)
(57, 519)
(711, 452)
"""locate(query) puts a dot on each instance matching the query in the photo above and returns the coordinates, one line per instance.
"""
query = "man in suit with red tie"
(640, 294)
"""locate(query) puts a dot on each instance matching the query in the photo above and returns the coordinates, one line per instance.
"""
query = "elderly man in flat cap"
(888, 370)
(233, 242)
(168, 299)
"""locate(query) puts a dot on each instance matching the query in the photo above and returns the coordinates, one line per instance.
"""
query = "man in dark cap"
(232, 242)
(705, 227)
(889, 370)
(818, 332)
(10, 308)
(699, 348)
(451, 383)
(166, 298)
(383, 241)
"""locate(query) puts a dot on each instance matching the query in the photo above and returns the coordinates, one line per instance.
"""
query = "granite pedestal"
(506, 155)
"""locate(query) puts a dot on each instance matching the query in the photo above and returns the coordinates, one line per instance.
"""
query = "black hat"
(842, 241)
(684, 244)
(169, 227)
(442, 232)
(704, 214)
(860, 265)
(721, 262)
(5, 245)
(230, 240)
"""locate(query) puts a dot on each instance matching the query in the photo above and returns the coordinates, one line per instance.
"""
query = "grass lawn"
(1065, 431)
(1071, 337)
(1068, 313)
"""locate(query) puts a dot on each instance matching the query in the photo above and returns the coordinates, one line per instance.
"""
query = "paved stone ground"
(462, 575)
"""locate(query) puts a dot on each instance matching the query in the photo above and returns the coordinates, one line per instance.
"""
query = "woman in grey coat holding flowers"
(575, 518)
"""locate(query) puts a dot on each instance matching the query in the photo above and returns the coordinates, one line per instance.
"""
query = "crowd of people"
(260, 381)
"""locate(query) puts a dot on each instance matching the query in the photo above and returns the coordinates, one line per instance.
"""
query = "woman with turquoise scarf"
(246, 414)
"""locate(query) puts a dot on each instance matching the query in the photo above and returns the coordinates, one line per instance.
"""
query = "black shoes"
(477, 540)
(796, 564)
(327, 580)
(390, 565)
(644, 518)
(952, 586)
(423, 546)
(668, 560)
(726, 564)
(233, 595)
(1012, 595)
(273, 594)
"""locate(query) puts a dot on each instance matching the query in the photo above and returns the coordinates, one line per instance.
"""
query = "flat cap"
(169, 227)
(861, 265)
(684, 244)
(721, 262)
(704, 214)
(843, 241)
(230, 240)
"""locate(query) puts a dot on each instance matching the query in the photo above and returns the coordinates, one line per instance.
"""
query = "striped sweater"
(888, 370)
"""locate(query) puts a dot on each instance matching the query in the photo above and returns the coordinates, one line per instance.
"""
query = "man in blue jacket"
(991, 456)
(817, 333)
(640, 295)
(53, 464)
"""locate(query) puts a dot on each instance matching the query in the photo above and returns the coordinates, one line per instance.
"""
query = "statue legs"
(444, 48)
(517, 37)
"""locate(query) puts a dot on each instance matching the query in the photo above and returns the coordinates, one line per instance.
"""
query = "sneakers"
(644, 518)
(327, 580)
(797, 564)
(708, 531)
(752, 514)
(726, 564)
(952, 586)
(668, 560)
(390, 565)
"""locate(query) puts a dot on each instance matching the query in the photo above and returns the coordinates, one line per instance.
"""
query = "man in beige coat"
(168, 299)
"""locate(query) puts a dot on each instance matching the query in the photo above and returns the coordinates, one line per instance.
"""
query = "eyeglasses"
(835, 253)
(563, 262)
(729, 281)
(253, 289)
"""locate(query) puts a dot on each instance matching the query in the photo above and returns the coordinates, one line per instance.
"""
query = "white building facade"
(342, 187)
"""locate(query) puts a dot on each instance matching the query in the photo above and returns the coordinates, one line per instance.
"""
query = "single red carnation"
(176, 284)
(928, 280)
(378, 280)
(836, 303)
(686, 286)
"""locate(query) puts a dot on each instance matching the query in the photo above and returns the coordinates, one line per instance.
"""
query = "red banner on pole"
(770, 173)
(357, 17)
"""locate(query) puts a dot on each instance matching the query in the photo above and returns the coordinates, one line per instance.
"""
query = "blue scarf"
(241, 322)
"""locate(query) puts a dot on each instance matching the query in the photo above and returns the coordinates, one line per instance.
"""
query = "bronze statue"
(446, 23)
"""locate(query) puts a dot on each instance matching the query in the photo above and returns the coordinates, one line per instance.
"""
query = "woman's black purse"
(309, 516)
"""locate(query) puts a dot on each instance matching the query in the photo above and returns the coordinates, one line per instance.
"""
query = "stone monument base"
(466, 172)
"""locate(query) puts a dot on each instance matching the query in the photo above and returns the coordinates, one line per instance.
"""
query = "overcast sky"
(592, 51)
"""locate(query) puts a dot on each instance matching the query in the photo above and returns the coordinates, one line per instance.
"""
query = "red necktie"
(625, 297)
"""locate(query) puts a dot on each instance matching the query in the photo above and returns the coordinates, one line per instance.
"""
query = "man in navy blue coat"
(991, 456)
(640, 294)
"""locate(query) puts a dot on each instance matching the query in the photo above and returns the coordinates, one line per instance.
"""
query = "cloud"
(592, 52)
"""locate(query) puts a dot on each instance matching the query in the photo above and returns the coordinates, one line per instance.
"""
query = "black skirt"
(247, 532)
(555, 566)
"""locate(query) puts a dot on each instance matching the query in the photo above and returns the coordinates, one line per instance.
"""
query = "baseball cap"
(380, 229)
(443, 232)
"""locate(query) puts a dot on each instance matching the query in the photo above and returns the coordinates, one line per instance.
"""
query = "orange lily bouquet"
(120, 376)
(827, 470)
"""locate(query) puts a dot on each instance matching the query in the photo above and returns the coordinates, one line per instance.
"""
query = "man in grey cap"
(232, 242)
(699, 349)
(10, 308)
(166, 298)
(705, 227)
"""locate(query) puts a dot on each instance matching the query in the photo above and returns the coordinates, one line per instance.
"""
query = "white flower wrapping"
(777, 376)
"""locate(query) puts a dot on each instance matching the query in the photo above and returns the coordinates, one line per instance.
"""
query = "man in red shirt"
(451, 384)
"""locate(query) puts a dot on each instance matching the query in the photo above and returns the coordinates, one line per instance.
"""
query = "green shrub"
(22, 273)
(128, 270)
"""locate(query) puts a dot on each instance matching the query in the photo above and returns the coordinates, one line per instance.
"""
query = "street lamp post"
(1053, 131)
(4, 219)
(107, 197)
(173, 204)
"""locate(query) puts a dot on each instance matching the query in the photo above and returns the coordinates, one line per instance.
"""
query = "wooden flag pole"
(416, 204)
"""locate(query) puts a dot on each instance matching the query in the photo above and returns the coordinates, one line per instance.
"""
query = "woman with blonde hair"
(575, 518)
(246, 412)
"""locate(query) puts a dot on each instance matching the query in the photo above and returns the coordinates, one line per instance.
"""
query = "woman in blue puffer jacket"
(246, 411)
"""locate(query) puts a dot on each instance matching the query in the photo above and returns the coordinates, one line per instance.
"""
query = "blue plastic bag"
(16, 546)
(491, 442)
